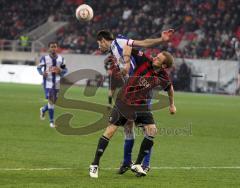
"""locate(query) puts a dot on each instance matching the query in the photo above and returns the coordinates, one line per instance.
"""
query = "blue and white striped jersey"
(117, 50)
(52, 81)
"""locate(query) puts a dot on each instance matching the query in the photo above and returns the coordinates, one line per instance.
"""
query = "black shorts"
(120, 115)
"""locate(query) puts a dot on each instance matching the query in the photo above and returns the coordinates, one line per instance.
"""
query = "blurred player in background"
(133, 65)
(115, 79)
(52, 67)
(236, 44)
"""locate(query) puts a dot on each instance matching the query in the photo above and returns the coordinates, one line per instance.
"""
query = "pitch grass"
(211, 139)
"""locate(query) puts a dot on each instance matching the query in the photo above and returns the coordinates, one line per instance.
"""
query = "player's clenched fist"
(166, 35)
(172, 109)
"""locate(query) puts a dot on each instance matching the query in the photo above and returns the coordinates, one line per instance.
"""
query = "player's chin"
(103, 50)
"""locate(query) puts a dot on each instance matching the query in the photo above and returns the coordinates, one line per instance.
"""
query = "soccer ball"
(84, 12)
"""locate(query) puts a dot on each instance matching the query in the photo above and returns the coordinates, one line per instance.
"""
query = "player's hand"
(167, 35)
(172, 109)
(56, 70)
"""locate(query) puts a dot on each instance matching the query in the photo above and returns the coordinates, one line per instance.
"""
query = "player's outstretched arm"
(165, 37)
(172, 108)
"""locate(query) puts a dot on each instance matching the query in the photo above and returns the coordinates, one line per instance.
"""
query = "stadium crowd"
(19, 17)
(204, 28)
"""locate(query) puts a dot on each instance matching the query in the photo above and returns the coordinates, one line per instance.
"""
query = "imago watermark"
(161, 130)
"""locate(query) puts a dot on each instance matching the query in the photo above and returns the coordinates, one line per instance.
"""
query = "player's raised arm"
(127, 50)
(165, 37)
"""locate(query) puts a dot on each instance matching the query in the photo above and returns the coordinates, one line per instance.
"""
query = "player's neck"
(53, 55)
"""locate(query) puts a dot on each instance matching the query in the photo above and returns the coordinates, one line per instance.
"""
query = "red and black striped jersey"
(110, 64)
(138, 88)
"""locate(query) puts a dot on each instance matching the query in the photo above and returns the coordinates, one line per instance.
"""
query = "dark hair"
(52, 42)
(104, 34)
(169, 59)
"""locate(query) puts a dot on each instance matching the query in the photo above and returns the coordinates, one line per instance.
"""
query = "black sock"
(110, 100)
(102, 144)
(145, 148)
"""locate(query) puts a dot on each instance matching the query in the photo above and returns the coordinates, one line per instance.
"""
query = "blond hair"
(169, 59)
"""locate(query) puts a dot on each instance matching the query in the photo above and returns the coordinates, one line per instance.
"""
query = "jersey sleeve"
(130, 42)
(121, 42)
(42, 61)
(41, 64)
(165, 80)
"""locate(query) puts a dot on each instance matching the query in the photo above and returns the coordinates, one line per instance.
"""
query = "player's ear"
(103, 40)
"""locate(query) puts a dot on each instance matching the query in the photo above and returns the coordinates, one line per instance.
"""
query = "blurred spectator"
(18, 17)
(24, 43)
(184, 77)
(126, 13)
(236, 44)
(204, 29)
